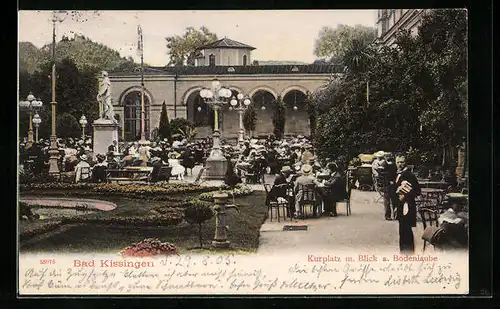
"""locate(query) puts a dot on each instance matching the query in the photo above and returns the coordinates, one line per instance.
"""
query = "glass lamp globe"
(215, 84)
(240, 96)
(31, 97)
(263, 108)
(37, 103)
(24, 104)
(247, 101)
(234, 102)
(230, 108)
(295, 108)
(37, 120)
(199, 108)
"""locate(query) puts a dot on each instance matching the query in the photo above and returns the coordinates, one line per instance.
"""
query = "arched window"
(211, 60)
(132, 116)
(244, 59)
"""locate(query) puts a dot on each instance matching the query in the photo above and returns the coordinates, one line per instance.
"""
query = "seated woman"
(157, 165)
(177, 169)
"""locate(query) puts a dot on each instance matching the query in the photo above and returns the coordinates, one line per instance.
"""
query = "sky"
(276, 35)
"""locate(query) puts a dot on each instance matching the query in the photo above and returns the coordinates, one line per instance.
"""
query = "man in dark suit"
(390, 198)
(279, 188)
(407, 189)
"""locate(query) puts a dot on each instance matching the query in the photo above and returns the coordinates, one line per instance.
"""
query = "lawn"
(92, 237)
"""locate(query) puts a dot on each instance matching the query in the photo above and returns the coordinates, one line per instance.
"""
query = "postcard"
(278, 152)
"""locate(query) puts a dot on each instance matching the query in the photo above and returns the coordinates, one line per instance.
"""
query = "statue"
(104, 97)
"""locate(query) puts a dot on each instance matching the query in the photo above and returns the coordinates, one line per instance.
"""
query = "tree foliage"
(332, 43)
(250, 118)
(417, 96)
(278, 118)
(164, 130)
(184, 48)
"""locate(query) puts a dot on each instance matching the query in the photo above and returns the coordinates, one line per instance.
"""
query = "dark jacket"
(336, 187)
(278, 189)
(411, 216)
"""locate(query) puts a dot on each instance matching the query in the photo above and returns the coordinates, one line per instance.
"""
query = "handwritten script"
(230, 274)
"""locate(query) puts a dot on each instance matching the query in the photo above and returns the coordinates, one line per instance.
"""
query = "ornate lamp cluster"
(240, 104)
(83, 122)
(32, 104)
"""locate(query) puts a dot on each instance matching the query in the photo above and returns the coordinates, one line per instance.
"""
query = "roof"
(226, 43)
(247, 69)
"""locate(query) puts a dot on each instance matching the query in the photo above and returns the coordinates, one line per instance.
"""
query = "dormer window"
(230, 69)
(244, 59)
(295, 69)
(211, 60)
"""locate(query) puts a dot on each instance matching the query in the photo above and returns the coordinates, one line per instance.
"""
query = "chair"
(430, 223)
(165, 173)
(307, 197)
(275, 203)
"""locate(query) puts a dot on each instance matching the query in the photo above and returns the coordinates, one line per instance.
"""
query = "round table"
(432, 197)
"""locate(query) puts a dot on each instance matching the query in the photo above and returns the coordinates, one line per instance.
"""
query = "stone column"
(220, 240)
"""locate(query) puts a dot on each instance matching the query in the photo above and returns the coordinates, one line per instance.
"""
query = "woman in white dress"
(177, 169)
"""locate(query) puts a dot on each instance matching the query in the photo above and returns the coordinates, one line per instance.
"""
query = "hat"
(174, 155)
(379, 154)
(154, 159)
(100, 156)
(83, 157)
(286, 169)
(306, 168)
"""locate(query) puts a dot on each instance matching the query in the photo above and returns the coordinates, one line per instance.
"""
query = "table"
(127, 174)
(458, 199)
(434, 184)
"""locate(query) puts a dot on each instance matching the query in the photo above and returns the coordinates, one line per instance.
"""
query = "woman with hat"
(99, 169)
(83, 164)
(144, 154)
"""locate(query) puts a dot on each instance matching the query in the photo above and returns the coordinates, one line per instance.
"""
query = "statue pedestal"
(105, 132)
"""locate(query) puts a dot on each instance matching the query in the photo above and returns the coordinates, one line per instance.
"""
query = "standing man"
(407, 189)
(391, 172)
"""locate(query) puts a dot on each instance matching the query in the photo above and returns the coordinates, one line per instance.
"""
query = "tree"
(197, 213)
(249, 119)
(332, 43)
(279, 118)
(417, 96)
(179, 125)
(164, 126)
(184, 49)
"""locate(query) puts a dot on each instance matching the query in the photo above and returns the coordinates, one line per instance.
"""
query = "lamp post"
(36, 122)
(216, 97)
(31, 104)
(240, 104)
(83, 123)
(53, 151)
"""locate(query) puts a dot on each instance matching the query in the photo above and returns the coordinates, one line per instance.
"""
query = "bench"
(119, 175)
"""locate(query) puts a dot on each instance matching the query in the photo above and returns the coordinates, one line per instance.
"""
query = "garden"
(180, 215)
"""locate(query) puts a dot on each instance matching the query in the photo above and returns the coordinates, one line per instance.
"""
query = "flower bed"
(127, 190)
(240, 190)
(167, 219)
(149, 247)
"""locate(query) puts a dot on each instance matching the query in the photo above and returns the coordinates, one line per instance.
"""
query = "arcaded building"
(230, 62)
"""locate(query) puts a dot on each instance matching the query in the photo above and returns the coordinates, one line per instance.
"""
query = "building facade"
(179, 88)
(390, 21)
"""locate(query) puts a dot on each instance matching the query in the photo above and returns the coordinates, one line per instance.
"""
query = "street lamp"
(217, 96)
(31, 104)
(36, 122)
(240, 104)
(83, 123)
(54, 152)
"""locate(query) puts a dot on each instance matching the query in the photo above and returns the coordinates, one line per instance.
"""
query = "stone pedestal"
(105, 132)
(216, 162)
(220, 240)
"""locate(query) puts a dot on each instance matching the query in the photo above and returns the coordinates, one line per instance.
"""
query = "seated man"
(305, 179)
(99, 169)
(157, 165)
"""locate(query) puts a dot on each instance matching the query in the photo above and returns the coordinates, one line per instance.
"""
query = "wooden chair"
(308, 197)
(165, 173)
(275, 203)
(85, 174)
(430, 223)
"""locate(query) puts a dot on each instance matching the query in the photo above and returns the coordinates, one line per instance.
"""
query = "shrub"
(197, 213)
(149, 247)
